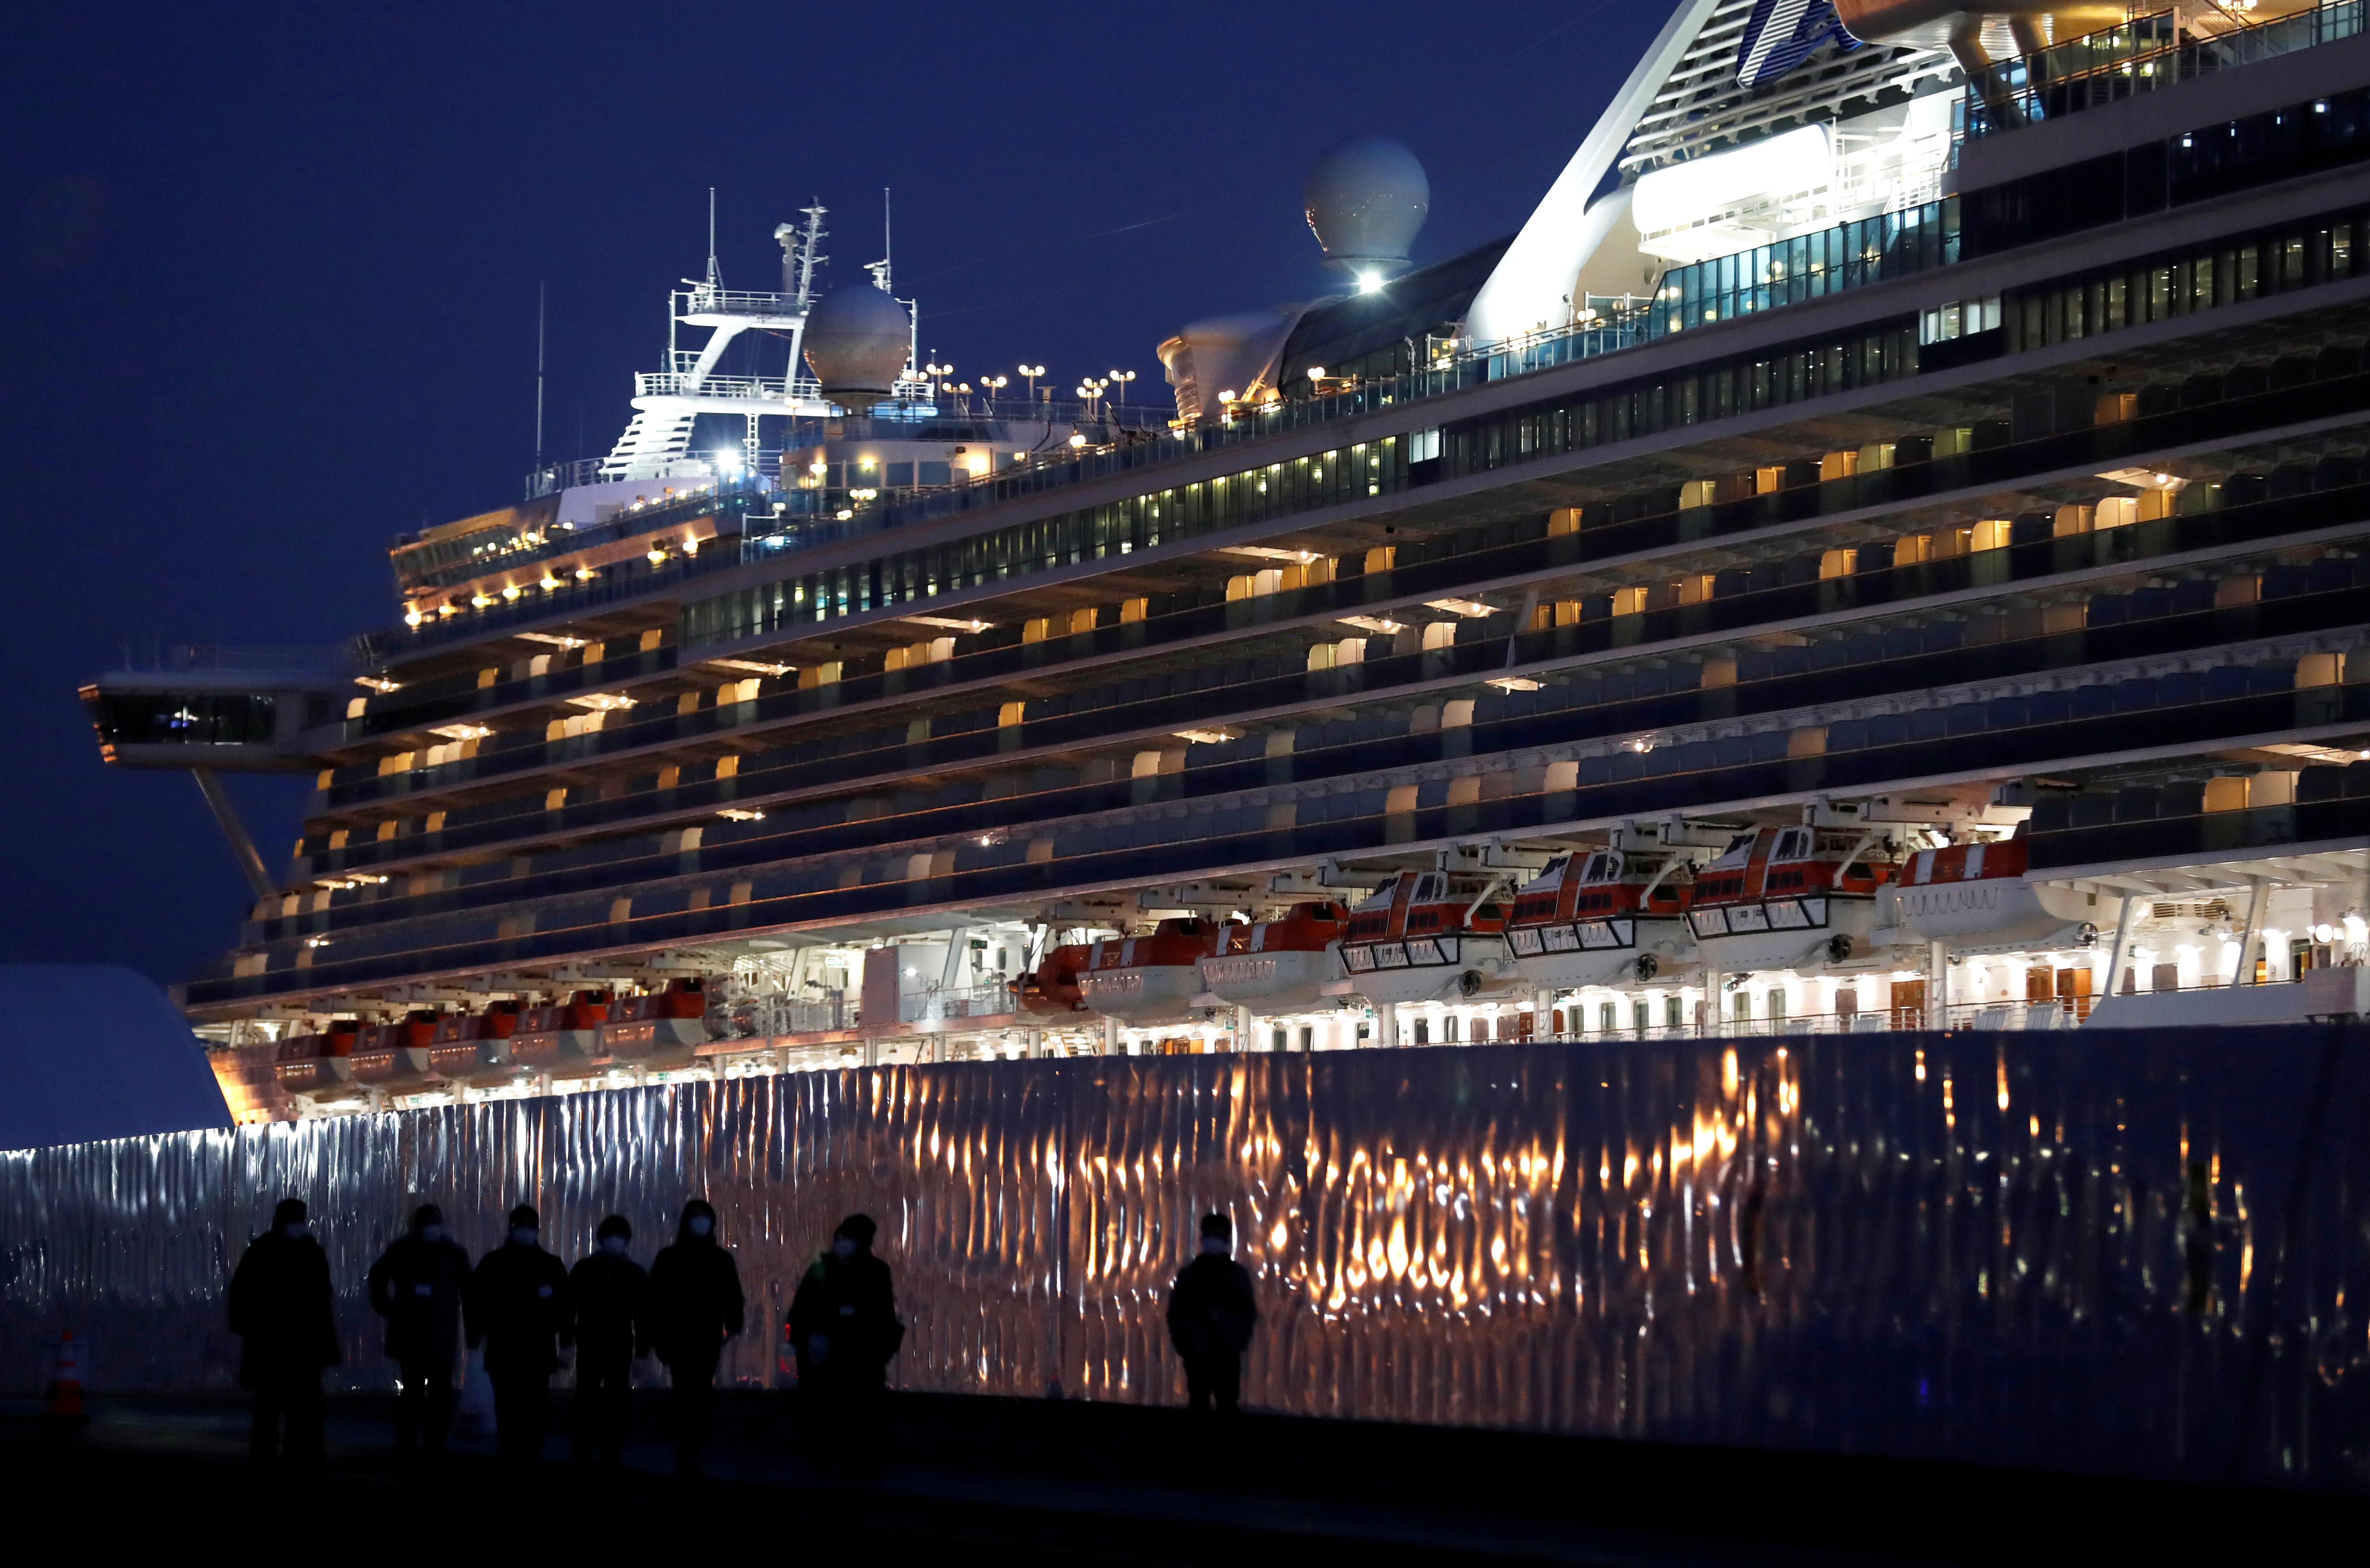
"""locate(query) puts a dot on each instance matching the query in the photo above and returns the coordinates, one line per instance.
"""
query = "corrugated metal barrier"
(2148, 1253)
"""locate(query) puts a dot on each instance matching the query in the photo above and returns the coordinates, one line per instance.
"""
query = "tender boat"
(1147, 980)
(1055, 989)
(1603, 918)
(1974, 899)
(1795, 898)
(658, 1026)
(1426, 936)
(1279, 965)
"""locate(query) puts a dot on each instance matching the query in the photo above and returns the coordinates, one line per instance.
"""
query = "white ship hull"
(1998, 914)
(1142, 996)
(1271, 983)
(1426, 968)
(1602, 952)
(1805, 934)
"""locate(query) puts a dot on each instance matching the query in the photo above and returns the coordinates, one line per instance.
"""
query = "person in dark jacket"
(605, 1295)
(844, 1327)
(694, 1306)
(517, 1307)
(285, 1312)
(417, 1285)
(1212, 1315)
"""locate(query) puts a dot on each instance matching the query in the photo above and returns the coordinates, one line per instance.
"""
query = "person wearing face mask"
(285, 1312)
(1212, 1315)
(844, 1326)
(517, 1308)
(417, 1285)
(605, 1295)
(694, 1306)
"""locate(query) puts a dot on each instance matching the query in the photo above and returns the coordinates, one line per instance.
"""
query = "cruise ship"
(1880, 547)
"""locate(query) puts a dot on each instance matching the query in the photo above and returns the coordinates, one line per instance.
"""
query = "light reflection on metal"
(1808, 1245)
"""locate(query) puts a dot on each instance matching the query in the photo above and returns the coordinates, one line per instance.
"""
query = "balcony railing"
(2139, 56)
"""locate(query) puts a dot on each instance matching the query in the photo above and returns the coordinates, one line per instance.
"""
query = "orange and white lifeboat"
(1426, 936)
(1801, 898)
(1974, 899)
(1146, 981)
(1609, 916)
(1278, 965)
(1053, 990)
(570, 1030)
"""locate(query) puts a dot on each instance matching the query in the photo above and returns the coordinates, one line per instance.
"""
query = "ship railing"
(161, 657)
(2141, 55)
(955, 1003)
(702, 299)
(674, 384)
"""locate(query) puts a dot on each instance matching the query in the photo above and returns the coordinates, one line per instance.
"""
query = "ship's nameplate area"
(2141, 1251)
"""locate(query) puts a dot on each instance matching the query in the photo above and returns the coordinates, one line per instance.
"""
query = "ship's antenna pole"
(885, 287)
(541, 292)
(715, 278)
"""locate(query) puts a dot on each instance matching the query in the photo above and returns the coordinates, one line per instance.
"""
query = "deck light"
(1369, 283)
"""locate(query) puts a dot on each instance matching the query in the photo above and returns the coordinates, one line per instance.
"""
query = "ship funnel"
(1365, 200)
(857, 340)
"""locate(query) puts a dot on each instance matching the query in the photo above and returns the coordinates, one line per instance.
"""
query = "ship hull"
(1805, 934)
(1999, 914)
(1143, 995)
(1426, 968)
(1270, 983)
(1602, 952)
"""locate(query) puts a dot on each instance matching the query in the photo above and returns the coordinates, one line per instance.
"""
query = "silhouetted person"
(844, 1326)
(694, 1306)
(517, 1307)
(417, 1285)
(285, 1312)
(606, 1293)
(1212, 1315)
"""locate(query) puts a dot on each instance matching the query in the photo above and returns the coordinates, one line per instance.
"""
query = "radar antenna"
(802, 253)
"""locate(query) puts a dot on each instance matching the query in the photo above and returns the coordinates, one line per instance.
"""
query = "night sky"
(271, 286)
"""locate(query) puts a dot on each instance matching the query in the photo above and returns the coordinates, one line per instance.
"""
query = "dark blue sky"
(270, 278)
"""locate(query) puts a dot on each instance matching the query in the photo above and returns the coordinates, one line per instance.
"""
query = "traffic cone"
(64, 1397)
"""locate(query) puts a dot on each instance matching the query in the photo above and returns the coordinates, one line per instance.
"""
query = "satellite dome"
(856, 341)
(1366, 199)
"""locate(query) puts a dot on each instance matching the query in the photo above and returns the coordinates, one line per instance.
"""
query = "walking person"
(285, 1312)
(417, 1285)
(844, 1327)
(517, 1308)
(606, 1292)
(1211, 1316)
(694, 1306)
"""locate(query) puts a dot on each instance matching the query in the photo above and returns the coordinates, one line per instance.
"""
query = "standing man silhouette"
(517, 1307)
(1211, 1316)
(694, 1307)
(417, 1285)
(285, 1312)
(607, 1292)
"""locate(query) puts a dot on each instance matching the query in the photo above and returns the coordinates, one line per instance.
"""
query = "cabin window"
(1794, 843)
(1280, 1040)
(1424, 1031)
(1605, 1017)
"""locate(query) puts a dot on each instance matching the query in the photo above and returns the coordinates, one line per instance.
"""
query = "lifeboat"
(474, 1046)
(1147, 980)
(1789, 899)
(1054, 988)
(1276, 967)
(1974, 899)
(569, 1031)
(1426, 936)
(1600, 919)
(662, 1023)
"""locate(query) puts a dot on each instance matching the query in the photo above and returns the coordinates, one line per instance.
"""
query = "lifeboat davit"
(1054, 988)
(1146, 980)
(1609, 916)
(1276, 967)
(1426, 937)
(1800, 897)
(1974, 899)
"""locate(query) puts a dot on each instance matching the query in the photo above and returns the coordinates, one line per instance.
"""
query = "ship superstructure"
(1921, 448)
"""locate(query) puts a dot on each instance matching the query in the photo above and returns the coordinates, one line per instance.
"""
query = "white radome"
(1365, 200)
(856, 341)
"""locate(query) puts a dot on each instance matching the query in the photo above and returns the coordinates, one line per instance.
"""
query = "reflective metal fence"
(2147, 1251)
